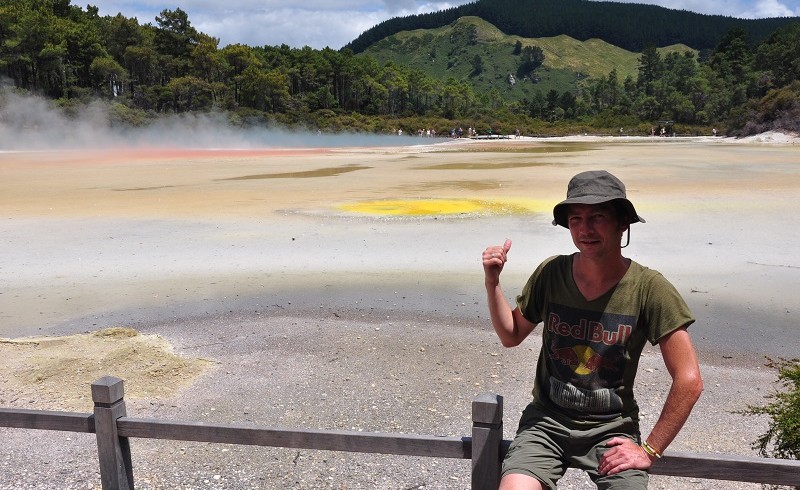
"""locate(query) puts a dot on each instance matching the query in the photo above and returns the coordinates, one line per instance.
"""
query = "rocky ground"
(365, 370)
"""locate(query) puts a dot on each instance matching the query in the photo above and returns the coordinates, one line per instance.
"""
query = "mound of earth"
(56, 373)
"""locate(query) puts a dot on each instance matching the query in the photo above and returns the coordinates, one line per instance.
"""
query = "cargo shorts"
(545, 447)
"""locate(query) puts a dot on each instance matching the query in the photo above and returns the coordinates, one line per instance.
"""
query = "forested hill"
(629, 26)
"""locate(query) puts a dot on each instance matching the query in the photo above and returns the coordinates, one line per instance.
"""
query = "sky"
(334, 23)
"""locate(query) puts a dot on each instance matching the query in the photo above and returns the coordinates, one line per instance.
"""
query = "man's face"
(596, 231)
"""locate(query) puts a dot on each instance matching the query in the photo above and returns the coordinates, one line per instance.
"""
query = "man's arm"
(511, 327)
(680, 359)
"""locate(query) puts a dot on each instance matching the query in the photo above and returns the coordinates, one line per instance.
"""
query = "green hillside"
(450, 51)
(628, 25)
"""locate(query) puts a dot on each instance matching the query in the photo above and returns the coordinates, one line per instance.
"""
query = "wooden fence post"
(113, 451)
(487, 435)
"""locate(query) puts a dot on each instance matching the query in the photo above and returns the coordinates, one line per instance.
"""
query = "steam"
(29, 122)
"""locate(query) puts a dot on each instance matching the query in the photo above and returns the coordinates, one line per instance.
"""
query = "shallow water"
(93, 239)
(322, 172)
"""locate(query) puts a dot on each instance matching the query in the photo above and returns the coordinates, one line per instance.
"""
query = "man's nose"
(585, 226)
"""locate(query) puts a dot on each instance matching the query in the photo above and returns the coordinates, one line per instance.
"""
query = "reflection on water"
(541, 148)
(470, 185)
(154, 188)
(322, 172)
(484, 165)
(442, 207)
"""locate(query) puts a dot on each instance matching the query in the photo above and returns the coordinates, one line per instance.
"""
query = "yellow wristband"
(650, 450)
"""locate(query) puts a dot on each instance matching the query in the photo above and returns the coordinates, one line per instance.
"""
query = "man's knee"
(626, 480)
(517, 481)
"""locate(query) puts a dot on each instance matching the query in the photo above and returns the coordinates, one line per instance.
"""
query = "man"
(598, 309)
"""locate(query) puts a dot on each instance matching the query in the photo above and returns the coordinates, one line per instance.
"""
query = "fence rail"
(331, 440)
(20, 418)
(485, 447)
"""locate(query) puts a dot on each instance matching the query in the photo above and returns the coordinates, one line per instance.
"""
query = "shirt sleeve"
(665, 309)
(532, 297)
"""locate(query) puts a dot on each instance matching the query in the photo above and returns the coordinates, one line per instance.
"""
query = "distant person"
(714, 131)
(598, 309)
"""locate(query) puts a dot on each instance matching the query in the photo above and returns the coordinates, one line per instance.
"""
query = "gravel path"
(368, 370)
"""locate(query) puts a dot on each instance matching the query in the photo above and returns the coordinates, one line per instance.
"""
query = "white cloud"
(316, 23)
(293, 27)
(417, 7)
(334, 23)
(393, 6)
(770, 8)
(745, 9)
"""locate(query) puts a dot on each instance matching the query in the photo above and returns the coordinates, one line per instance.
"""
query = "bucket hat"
(593, 187)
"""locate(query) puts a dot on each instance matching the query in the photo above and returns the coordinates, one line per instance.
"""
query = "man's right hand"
(509, 324)
(494, 258)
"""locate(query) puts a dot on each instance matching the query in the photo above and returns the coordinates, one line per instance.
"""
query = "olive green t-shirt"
(590, 349)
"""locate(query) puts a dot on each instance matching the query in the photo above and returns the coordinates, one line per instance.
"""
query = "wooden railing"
(485, 447)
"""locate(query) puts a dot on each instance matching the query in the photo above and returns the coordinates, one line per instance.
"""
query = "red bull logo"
(589, 331)
(566, 355)
(582, 359)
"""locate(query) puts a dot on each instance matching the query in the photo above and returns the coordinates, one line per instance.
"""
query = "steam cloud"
(30, 122)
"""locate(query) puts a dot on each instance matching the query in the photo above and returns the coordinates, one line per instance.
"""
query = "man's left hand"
(624, 454)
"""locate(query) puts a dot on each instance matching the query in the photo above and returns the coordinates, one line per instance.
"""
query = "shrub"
(782, 439)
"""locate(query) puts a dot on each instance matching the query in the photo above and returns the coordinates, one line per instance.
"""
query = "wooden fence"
(485, 447)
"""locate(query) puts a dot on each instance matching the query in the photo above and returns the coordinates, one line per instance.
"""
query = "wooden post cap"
(108, 390)
(487, 408)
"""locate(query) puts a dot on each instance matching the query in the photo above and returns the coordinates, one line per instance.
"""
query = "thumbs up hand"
(494, 258)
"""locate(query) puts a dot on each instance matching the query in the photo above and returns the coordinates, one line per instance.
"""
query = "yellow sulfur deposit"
(437, 207)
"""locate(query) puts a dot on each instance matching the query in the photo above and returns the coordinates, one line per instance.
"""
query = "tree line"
(627, 25)
(736, 84)
(73, 55)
